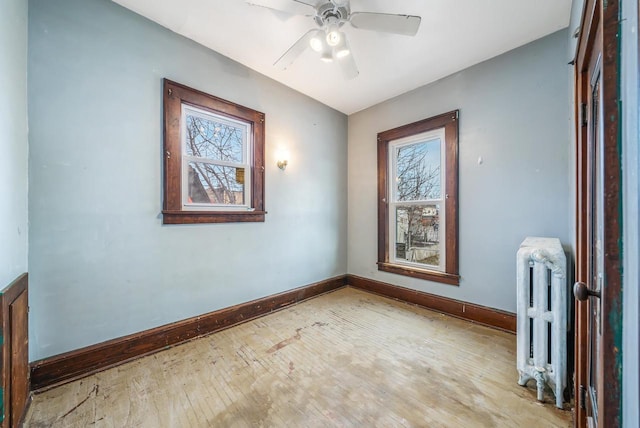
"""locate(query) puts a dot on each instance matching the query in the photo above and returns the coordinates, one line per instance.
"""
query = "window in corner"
(214, 159)
(417, 199)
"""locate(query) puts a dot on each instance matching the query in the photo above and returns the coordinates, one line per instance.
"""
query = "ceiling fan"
(328, 40)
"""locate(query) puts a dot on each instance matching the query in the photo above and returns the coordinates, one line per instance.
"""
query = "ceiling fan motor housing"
(329, 12)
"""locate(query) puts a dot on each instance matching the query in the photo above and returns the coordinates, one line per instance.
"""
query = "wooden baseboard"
(82, 362)
(495, 318)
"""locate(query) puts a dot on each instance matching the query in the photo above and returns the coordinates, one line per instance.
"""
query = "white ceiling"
(453, 35)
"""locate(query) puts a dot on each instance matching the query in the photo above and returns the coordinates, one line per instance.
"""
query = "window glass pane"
(214, 139)
(215, 184)
(418, 171)
(417, 234)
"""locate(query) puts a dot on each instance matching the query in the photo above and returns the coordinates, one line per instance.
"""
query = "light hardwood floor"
(344, 359)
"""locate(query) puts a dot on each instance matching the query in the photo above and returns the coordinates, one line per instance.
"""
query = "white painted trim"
(247, 144)
(393, 146)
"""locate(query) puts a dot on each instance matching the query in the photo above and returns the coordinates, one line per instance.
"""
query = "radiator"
(542, 315)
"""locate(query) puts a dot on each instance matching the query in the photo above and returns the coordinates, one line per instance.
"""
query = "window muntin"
(418, 199)
(417, 213)
(216, 161)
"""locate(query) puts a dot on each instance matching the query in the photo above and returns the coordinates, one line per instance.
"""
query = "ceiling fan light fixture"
(327, 56)
(334, 36)
(316, 43)
(342, 53)
(342, 49)
(326, 53)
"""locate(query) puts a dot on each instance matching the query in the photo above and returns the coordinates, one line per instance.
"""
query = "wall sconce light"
(282, 164)
(282, 156)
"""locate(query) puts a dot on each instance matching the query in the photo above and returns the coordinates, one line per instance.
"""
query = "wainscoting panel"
(14, 309)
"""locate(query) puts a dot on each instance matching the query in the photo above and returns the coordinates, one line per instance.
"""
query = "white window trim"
(247, 144)
(393, 147)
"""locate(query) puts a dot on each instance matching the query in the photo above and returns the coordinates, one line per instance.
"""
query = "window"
(213, 159)
(418, 199)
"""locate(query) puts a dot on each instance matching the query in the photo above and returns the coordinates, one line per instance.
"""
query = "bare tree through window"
(419, 171)
(418, 181)
(211, 182)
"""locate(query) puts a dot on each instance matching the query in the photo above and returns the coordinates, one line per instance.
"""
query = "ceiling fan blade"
(293, 7)
(388, 23)
(295, 50)
(348, 67)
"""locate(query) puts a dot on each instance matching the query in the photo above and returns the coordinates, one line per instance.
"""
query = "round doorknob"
(582, 292)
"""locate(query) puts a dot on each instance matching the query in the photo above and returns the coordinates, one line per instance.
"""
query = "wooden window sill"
(430, 275)
(194, 217)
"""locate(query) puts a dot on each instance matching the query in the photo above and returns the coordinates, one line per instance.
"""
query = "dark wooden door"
(598, 258)
(590, 292)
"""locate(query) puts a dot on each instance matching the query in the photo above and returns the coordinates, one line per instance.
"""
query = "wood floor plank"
(344, 359)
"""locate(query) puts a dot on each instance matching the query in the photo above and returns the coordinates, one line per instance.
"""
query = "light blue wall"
(102, 265)
(631, 220)
(514, 113)
(13, 140)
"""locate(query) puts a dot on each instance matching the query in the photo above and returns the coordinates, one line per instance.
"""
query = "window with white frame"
(216, 161)
(417, 214)
(417, 199)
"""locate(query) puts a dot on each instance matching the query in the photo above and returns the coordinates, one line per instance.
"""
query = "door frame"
(596, 16)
